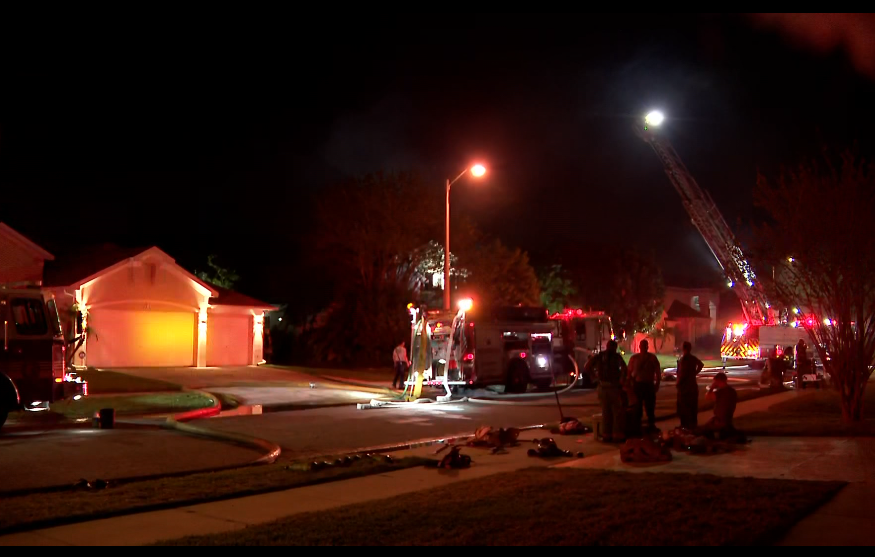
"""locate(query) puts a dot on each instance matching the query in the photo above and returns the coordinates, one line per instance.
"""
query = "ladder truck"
(740, 341)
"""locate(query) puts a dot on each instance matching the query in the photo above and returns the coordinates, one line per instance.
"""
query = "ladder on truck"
(717, 235)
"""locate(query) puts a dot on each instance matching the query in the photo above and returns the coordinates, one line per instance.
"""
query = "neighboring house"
(147, 311)
(703, 301)
(20, 259)
(689, 324)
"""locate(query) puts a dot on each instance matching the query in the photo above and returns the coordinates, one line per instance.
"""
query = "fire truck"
(483, 347)
(32, 361)
(579, 336)
(741, 341)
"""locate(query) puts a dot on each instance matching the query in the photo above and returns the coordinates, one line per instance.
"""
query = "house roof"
(680, 310)
(230, 298)
(86, 263)
(21, 240)
(90, 263)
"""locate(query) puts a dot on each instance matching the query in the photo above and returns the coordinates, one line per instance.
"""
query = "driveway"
(259, 385)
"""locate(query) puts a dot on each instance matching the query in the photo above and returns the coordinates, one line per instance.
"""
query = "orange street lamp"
(477, 171)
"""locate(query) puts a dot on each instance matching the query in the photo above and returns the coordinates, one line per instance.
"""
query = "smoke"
(825, 33)
(378, 137)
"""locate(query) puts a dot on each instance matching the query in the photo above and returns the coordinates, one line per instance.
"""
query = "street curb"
(201, 412)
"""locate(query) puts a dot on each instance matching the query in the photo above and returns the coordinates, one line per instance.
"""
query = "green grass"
(127, 405)
(816, 414)
(567, 507)
(383, 375)
(113, 382)
(670, 361)
(27, 512)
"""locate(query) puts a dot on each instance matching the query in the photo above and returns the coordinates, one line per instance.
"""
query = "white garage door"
(141, 338)
(229, 340)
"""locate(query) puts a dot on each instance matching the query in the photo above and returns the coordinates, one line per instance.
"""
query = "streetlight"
(654, 118)
(477, 171)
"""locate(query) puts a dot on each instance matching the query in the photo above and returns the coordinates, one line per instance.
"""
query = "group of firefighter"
(627, 392)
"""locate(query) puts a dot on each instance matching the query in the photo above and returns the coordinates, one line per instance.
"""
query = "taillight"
(469, 357)
(59, 361)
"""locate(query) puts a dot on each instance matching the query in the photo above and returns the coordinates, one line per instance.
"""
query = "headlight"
(542, 361)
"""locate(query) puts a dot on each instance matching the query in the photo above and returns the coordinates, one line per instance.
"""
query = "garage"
(126, 338)
(229, 339)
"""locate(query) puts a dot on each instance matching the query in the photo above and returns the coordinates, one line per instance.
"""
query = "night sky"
(209, 152)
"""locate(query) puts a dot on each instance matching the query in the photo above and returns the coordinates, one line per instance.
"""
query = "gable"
(20, 259)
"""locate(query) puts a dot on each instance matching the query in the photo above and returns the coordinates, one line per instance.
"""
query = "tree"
(819, 242)
(638, 292)
(499, 276)
(556, 288)
(371, 235)
(218, 275)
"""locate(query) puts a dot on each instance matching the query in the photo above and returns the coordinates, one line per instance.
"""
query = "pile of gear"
(647, 449)
(571, 426)
(684, 440)
(547, 448)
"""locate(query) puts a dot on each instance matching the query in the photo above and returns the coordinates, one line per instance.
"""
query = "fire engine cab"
(32, 357)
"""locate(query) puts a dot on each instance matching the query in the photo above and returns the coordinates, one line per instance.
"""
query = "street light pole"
(447, 252)
(477, 170)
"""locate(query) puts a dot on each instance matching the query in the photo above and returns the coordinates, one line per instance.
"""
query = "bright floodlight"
(655, 118)
(466, 305)
(478, 170)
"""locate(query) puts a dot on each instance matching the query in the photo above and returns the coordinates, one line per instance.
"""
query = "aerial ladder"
(739, 341)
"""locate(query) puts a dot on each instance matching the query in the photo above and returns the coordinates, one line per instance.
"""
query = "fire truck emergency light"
(466, 305)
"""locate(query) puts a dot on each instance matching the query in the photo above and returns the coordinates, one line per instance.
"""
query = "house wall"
(18, 264)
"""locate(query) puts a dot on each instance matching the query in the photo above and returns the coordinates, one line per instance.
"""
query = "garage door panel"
(141, 338)
(229, 340)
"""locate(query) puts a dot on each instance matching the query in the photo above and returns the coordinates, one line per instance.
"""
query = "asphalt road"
(50, 458)
(55, 457)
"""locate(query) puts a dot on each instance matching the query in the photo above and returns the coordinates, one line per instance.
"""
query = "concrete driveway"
(259, 385)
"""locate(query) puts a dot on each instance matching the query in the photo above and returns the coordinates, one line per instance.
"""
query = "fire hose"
(510, 399)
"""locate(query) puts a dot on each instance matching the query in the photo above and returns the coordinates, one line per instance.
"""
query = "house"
(144, 310)
(20, 259)
(704, 303)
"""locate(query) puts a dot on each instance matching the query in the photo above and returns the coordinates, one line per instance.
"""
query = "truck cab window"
(29, 316)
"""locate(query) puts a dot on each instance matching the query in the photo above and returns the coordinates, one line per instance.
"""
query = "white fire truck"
(483, 347)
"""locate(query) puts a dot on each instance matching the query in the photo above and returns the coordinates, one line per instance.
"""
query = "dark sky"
(213, 151)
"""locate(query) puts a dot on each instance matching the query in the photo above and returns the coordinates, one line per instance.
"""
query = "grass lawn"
(383, 375)
(113, 382)
(29, 512)
(568, 507)
(815, 414)
(126, 405)
(667, 361)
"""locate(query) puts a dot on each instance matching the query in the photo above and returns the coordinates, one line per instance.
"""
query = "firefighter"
(645, 374)
(689, 368)
(804, 365)
(399, 358)
(610, 368)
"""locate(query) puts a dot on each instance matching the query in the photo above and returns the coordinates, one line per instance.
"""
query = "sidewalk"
(842, 521)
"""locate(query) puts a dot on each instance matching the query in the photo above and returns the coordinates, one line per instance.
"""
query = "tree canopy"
(819, 242)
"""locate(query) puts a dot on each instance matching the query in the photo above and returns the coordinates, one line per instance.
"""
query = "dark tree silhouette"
(820, 244)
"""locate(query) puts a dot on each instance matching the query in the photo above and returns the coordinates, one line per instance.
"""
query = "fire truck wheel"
(517, 378)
